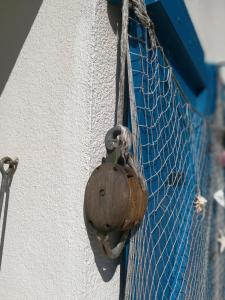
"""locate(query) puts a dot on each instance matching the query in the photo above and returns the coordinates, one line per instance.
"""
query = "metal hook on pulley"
(116, 251)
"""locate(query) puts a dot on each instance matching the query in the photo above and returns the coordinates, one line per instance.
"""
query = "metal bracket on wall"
(8, 168)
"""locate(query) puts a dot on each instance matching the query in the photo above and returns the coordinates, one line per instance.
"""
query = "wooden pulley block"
(137, 201)
(114, 199)
(115, 195)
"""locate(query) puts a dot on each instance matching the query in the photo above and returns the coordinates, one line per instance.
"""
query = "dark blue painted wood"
(206, 102)
(178, 38)
(180, 42)
(115, 2)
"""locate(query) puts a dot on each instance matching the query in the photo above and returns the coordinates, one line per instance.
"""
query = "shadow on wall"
(7, 170)
(16, 19)
(105, 265)
(3, 219)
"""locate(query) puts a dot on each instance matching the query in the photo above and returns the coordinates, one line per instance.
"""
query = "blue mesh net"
(174, 253)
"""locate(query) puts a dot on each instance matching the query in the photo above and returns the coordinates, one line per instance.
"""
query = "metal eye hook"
(115, 252)
(111, 141)
(118, 137)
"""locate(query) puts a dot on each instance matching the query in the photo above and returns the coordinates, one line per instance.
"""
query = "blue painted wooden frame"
(182, 47)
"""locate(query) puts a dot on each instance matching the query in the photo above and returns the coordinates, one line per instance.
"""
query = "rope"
(123, 53)
(142, 14)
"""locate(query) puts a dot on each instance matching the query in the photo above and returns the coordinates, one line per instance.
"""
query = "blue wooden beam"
(179, 40)
(181, 45)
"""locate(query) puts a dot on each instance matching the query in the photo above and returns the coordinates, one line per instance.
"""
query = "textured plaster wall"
(54, 111)
(55, 108)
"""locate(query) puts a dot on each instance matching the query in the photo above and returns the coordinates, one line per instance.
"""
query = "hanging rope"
(123, 54)
(141, 12)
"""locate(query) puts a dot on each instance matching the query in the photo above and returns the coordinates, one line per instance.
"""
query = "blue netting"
(170, 256)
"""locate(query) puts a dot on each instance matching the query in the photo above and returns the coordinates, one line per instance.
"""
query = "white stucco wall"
(209, 19)
(54, 111)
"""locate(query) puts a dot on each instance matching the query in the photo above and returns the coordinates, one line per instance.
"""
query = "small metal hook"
(12, 165)
(115, 252)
